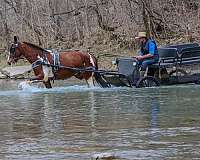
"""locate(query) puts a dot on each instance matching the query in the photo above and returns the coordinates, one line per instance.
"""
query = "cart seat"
(190, 56)
(167, 57)
(181, 47)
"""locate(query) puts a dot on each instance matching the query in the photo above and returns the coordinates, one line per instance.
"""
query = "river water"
(73, 122)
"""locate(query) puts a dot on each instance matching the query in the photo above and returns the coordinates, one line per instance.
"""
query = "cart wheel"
(197, 82)
(147, 82)
(126, 80)
(178, 72)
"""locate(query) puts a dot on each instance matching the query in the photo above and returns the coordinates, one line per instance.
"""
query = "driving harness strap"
(56, 61)
(55, 66)
(44, 61)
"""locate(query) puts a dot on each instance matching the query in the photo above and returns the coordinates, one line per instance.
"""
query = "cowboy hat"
(141, 35)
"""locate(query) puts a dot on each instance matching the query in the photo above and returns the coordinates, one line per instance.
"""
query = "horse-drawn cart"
(178, 64)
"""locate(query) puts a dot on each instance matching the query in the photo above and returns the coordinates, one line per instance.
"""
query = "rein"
(87, 69)
(45, 63)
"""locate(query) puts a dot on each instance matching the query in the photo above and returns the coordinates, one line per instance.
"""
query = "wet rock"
(3, 76)
(104, 156)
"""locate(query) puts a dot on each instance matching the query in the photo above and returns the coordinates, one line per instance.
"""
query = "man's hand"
(139, 57)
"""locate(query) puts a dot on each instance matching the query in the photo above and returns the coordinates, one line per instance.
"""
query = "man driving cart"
(148, 53)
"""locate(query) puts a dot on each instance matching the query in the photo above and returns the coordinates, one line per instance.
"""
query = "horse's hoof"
(24, 84)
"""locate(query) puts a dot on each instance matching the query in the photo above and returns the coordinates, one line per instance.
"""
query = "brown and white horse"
(69, 59)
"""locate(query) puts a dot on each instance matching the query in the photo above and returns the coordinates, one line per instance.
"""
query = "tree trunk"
(148, 18)
(5, 24)
(78, 33)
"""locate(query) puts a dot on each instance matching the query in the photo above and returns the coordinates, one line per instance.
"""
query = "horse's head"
(14, 53)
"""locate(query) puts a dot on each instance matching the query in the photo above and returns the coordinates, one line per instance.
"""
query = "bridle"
(13, 49)
(12, 53)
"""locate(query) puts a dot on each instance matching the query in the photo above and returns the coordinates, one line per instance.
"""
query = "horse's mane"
(35, 46)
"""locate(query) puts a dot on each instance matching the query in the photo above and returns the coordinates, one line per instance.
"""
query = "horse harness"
(56, 63)
(44, 61)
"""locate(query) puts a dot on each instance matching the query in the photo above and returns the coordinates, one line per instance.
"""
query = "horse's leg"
(90, 81)
(45, 69)
(48, 84)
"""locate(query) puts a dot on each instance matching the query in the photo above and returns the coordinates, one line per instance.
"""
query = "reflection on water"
(74, 122)
(154, 112)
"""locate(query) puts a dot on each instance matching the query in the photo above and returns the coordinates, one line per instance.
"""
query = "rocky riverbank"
(16, 72)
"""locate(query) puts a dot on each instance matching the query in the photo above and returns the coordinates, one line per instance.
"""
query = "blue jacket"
(149, 47)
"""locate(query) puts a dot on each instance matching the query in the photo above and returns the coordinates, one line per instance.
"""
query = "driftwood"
(15, 72)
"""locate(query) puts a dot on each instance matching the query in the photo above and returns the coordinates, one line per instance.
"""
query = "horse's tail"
(98, 77)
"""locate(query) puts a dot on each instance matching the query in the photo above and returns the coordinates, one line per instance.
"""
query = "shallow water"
(74, 122)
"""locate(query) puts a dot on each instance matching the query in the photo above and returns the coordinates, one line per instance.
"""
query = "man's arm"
(152, 48)
(147, 56)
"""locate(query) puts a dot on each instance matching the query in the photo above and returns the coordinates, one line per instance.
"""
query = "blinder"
(12, 53)
(13, 49)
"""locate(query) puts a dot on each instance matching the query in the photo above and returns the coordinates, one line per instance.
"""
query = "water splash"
(26, 87)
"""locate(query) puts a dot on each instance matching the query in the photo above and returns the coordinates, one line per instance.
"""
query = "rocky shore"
(16, 72)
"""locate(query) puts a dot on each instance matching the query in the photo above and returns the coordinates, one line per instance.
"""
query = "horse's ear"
(15, 39)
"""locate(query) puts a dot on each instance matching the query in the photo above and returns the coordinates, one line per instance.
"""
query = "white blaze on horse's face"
(8, 57)
(13, 55)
